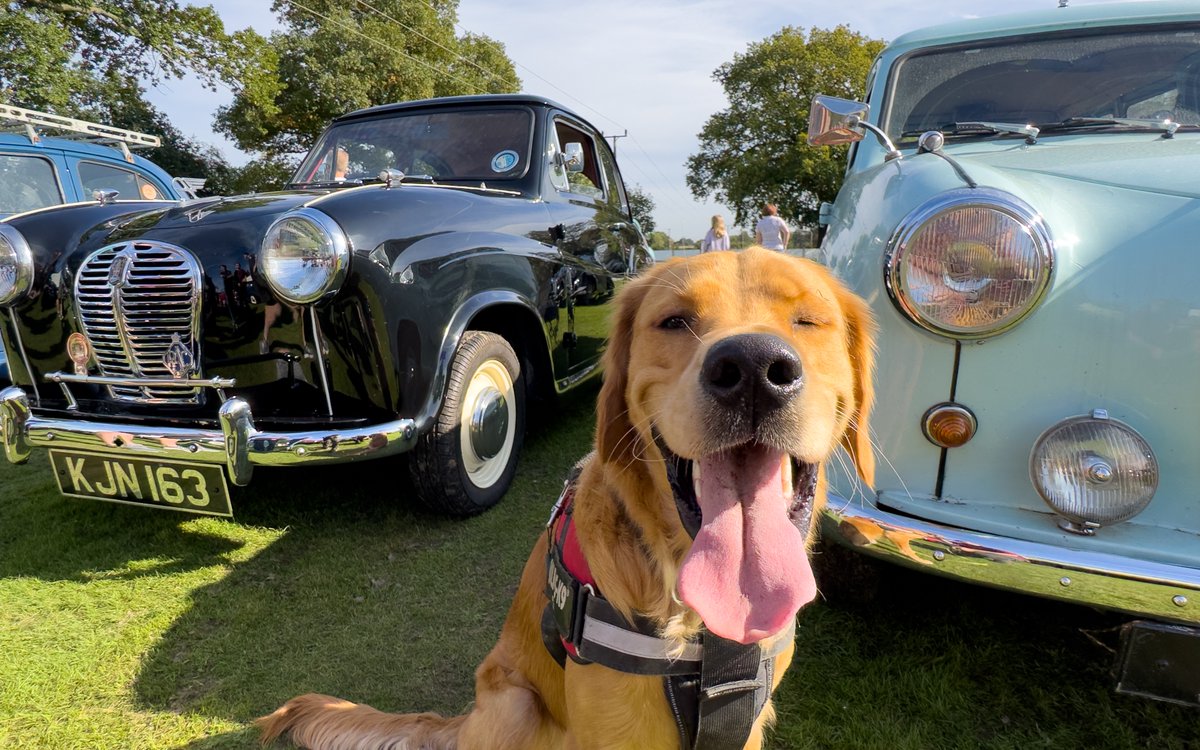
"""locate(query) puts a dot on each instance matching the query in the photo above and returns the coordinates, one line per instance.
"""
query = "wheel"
(464, 465)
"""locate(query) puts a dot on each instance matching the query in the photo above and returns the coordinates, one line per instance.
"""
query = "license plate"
(1160, 661)
(173, 485)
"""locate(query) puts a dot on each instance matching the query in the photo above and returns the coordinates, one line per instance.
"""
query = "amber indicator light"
(949, 425)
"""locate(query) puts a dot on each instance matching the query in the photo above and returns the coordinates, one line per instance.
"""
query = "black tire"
(447, 471)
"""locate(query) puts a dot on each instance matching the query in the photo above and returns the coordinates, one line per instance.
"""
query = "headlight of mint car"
(16, 265)
(1094, 471)
(304, 256)
(970, 263)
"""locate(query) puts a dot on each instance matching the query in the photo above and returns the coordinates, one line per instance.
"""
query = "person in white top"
(717, 237)
(771, 232)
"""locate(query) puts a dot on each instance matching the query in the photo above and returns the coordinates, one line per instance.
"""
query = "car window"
(129, 185)
(614, 179)
(1128, 73)
(27, 183)
(484, 145)
(588, 181)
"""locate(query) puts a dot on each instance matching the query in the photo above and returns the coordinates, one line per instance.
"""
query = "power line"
(457, 56)
(391, 48)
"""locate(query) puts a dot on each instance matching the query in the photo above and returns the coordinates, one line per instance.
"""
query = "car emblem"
(118, 271)
(179, 360)
(196, 214)
(80, 352)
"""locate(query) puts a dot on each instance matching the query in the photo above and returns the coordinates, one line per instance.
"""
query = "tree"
(658, 240)
(334, 56)
(756, 151)
(55, 54)
(641, 205)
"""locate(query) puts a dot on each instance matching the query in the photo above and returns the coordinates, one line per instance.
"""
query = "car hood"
(1144, 161)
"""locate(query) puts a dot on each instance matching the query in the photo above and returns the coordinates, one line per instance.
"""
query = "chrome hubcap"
(487, 423)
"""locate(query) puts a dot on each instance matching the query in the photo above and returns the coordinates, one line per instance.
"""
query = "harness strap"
(716, 687)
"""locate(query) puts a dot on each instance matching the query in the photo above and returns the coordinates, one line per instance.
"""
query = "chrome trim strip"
(319, 345)
(238, 445)
(16, 329)
(1147, 589)
(187, 385)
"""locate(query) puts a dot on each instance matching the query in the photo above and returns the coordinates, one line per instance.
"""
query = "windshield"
(1046, 80)
(476, 145)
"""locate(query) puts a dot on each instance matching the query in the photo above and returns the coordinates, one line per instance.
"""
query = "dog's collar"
(716, 687)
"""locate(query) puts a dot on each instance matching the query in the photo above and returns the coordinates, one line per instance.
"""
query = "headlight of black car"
(16, 265)
(305, 256)
(970, 263)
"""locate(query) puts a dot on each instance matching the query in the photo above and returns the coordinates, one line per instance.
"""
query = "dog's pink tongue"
(747, 573)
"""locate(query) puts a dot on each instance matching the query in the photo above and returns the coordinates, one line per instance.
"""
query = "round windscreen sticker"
(504, 161)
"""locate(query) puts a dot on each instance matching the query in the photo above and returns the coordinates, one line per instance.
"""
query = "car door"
(592, 227)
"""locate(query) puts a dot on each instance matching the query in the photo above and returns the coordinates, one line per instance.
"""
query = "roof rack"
(92, 132)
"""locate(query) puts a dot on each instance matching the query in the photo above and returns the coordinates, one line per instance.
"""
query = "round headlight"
(1094, 471)
(304, 256)
(16, 265)
(970, 263)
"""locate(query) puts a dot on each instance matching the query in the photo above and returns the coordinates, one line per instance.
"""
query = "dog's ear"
(860, 341)
(614, 432)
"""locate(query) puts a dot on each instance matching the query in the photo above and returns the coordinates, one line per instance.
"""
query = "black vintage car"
(433, 268)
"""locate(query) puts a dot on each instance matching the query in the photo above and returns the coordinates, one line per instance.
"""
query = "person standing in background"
(771, 232)
(717, 237)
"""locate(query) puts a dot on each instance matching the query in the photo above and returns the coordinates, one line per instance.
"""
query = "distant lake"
(665, 254)
(811, 252)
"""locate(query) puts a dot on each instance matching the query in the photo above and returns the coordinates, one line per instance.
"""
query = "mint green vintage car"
(1022, 209)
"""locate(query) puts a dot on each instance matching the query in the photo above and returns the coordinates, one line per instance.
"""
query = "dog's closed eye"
(674, 323)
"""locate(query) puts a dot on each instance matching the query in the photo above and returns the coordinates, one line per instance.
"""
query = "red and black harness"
(716, 688)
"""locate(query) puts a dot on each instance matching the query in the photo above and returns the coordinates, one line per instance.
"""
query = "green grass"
(129, 628)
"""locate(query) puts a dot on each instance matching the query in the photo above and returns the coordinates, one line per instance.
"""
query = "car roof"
(83, 149)
(460, 101)
(1053, 19)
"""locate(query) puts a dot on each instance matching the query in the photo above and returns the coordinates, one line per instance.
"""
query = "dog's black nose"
(754, 371)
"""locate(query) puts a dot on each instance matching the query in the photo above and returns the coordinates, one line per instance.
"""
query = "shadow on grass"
(363, 596)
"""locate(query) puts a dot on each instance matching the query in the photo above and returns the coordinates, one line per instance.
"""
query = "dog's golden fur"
(625, 513)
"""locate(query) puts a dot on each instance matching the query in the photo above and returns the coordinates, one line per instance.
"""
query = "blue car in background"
(1021, 208)
(48, 160)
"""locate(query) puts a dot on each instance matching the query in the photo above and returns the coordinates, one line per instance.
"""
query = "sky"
(638, 66)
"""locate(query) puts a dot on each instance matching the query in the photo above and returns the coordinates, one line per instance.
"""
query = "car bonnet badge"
(118, 271)
(178, 359)
(80, 352)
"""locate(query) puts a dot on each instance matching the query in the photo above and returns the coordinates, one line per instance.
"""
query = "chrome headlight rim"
(23, 281)
(339, 245)
(951, 200)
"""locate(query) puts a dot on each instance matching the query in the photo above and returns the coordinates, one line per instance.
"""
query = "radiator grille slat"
(131, 315)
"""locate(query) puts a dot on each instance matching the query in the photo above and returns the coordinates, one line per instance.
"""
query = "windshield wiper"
(323, 184)
(991, 128)
(1166, 127)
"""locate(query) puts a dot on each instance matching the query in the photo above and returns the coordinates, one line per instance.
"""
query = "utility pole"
(615, 137)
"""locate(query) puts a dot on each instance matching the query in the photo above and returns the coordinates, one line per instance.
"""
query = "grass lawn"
(129, 628)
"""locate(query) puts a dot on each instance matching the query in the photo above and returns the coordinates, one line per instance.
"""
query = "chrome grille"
(133, 299)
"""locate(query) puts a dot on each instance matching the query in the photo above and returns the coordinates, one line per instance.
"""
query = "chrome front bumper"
(238, 445)
(1146, 589)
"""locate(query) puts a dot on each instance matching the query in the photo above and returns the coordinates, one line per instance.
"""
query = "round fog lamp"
(16, 265)
(1093, 471)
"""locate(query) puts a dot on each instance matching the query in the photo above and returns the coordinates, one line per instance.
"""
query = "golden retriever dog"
(731, 379)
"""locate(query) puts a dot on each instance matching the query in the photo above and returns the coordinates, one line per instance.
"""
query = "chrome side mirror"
(572, 157)
(835, 122)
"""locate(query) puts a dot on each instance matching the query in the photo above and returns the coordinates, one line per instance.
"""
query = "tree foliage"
(58, 54)
(755, 151)
(641, 205)
(334, 56)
